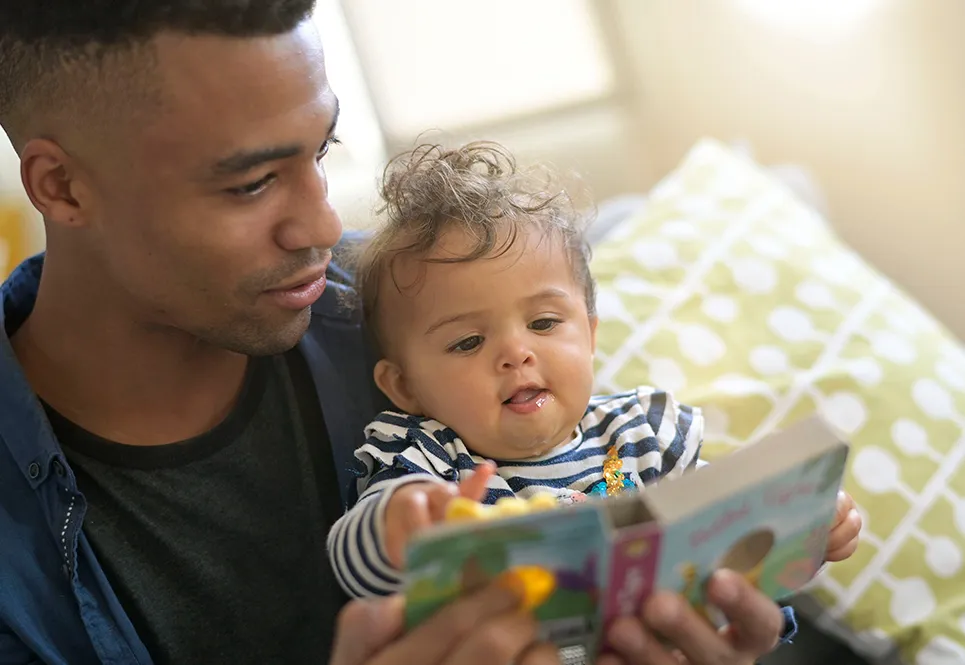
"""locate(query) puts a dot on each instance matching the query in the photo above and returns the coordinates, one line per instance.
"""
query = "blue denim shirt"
(56, 604)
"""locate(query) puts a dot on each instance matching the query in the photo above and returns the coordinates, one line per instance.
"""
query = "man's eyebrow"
(246, 160)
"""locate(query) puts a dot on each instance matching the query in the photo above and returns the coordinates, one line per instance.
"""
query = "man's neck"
(122, 380)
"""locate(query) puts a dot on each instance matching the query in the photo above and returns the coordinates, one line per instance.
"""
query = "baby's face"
(499, 349)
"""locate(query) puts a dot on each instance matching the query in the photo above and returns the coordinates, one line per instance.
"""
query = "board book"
(765, 512)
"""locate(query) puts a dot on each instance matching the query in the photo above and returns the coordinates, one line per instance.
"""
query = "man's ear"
(49, 176)
(391, 381)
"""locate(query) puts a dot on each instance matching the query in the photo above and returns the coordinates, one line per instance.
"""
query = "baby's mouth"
(526, 396)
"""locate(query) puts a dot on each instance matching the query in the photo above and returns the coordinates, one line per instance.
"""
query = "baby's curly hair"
(479, 189)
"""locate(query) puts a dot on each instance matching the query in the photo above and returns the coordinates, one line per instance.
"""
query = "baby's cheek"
(457, 399)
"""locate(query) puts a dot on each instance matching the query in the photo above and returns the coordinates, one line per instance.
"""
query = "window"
(452, 65)
(402, 68)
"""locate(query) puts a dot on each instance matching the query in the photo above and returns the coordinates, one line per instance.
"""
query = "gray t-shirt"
(215, 546)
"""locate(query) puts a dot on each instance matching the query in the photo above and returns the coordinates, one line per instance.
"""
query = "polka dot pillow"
(12, 241)
(733, 294)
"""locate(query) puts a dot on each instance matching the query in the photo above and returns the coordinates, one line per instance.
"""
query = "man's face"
(213, 218)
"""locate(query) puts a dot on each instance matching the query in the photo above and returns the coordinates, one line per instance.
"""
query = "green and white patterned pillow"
(731, 293)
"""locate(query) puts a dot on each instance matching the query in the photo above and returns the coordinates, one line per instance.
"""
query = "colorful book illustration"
(764, 512)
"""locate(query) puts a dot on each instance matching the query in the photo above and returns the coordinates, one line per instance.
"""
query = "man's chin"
(266, 338)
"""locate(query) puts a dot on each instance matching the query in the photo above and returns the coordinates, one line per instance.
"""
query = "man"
(181, 389)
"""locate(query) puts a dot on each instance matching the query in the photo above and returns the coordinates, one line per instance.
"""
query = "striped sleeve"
(393, 455)
(679, 430)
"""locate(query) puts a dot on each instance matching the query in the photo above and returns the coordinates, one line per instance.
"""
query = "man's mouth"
(301, 291)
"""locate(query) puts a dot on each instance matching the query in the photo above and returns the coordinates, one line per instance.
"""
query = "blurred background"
(868, 95)
(859, 104)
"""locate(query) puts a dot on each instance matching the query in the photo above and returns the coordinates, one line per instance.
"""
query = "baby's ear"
(593, 321)
(391, 381)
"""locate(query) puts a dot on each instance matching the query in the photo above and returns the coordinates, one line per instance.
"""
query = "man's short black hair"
(41, 39)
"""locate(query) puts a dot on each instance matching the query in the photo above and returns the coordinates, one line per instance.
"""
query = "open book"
(764, 511)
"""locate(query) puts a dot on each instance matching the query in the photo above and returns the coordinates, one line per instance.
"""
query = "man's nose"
(311, 221)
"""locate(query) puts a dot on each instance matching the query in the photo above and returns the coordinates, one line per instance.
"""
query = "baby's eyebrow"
(551, 293)
(451, 319)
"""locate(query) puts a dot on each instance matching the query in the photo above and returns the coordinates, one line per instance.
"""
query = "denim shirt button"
(33, 471)
(59, 468)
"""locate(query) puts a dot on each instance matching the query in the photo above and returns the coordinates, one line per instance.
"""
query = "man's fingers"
(435, 639)
(633, 644)
(609, 659)
(755, 622)
(540, 654)
(502, 639)
(671, 616)
(364, 627)
(474, 487)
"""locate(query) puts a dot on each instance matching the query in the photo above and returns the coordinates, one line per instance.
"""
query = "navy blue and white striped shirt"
(654, 436)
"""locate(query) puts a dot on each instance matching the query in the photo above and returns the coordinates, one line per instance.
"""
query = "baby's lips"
(532, 584)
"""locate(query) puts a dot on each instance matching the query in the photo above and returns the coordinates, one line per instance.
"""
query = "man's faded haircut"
(66, 56)
(478, 189)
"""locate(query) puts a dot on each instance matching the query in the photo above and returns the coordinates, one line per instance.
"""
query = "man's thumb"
(365, 628)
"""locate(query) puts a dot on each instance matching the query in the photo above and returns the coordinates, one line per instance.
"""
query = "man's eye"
(466, 345)
(254, 188)
(329, 142)
(543, 325)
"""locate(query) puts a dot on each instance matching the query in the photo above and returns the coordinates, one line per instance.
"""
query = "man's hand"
(415, 506)
(755, 626)
(481, 629)
(843, 539)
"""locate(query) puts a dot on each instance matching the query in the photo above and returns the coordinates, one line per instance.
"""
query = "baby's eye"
(543, 325)
(466, 345)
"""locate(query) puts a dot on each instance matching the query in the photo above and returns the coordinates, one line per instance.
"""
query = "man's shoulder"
(19, 291)
(339, 301)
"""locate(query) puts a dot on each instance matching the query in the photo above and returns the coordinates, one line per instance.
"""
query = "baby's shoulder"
(397, 427)
(413, 443)
(641, 397)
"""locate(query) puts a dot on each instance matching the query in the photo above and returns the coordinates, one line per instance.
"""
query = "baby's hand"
(843, 539)
(415, 506)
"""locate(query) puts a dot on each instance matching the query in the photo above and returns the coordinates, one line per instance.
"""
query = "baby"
(479, 293)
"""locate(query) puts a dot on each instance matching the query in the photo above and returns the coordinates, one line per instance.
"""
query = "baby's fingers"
(474, 487)
(439, 497)
(409, 514)
(843, 539)
(844, 507)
